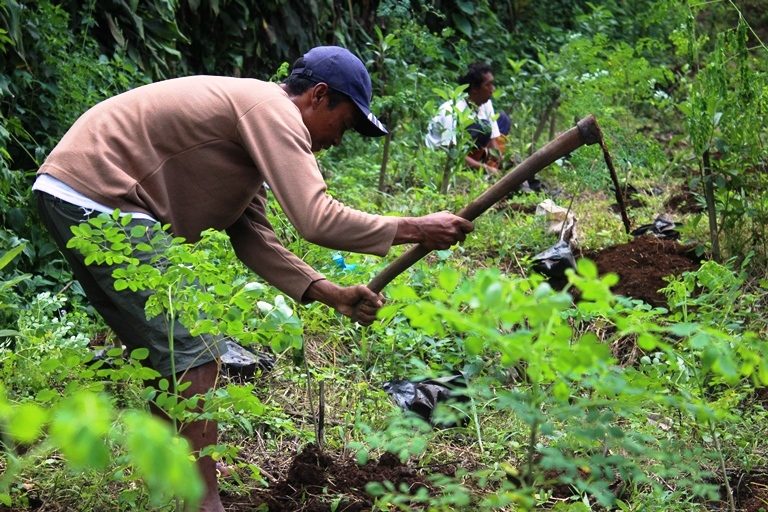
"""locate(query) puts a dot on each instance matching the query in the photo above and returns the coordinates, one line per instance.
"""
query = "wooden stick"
(585, 132)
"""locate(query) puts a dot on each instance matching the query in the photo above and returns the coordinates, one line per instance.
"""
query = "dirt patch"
(633, 198)
(319, 482)
(642, 265)
(750, 489)
(508, 205)
(683, 201)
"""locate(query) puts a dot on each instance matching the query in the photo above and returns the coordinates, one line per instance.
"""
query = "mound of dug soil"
(317, 482)
(642, 265)
(683, 201)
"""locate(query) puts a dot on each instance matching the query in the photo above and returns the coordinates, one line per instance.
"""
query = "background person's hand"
(435, 231)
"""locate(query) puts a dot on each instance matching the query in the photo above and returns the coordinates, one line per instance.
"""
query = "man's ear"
(319, 92)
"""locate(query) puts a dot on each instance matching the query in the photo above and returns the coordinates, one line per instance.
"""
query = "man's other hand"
(435, 231)
(357, 302)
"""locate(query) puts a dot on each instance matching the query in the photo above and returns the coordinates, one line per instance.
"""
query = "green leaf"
(161, 458)
(138, 231)
(466, 6)
(403, 294)
(222, 289)
(726, 366)
(6, 258)
(139, 354)
(762, 373)
(79, 427)
(282, 306)
(253, 287)
(647, 341)
(26, 422)
(448, 279)
(684, 329)
(463, 24)
(46, 395)
(493, 294)
(586, 268)
(561, 391)
(84, 230)
(474, 345)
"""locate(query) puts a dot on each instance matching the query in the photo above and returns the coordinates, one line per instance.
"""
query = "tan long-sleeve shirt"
(195, 152)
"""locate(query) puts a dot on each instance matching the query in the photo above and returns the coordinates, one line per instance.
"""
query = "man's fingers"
(368, 309)
(365, 315)
(367, 295)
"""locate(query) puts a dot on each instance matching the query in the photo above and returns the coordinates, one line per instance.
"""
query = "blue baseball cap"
(345, 73)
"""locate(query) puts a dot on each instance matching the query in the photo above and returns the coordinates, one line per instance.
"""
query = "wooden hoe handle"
(586, 132)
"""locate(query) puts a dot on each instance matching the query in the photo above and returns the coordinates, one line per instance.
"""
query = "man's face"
(327, 125)
(483, 92)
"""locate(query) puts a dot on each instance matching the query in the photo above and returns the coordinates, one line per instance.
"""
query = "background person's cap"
(345, 73)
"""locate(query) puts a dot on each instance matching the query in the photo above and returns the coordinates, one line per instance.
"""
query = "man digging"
(196, 153)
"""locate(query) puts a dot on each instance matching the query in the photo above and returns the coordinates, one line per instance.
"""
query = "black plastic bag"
(554, 261)
(662, 227)
(241, 364)
(422, 397)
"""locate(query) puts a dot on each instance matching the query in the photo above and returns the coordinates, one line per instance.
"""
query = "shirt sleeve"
(486, 111)
(441, 131)
(280, 146)
(256, 245)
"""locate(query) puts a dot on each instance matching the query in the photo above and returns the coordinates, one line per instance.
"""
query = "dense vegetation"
(625, 405)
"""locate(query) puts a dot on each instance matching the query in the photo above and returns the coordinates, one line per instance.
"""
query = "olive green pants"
(123, 310)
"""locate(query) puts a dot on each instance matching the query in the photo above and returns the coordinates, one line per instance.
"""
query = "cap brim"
(369, 125)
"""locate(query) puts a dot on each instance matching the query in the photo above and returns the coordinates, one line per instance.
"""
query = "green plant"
(461, 118)
(9, 299)
(725, 100)
(584, 415)
(82, 426)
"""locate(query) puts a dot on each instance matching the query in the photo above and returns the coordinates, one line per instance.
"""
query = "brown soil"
(629, 202)
(750, 489)
(683, 201)
(642, 265)
(506, 204)
(317, 481)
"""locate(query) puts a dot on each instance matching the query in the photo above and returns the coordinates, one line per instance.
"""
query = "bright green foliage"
(202, 284)
(628, 406)
(82, 427)
(586, 417)
(455, 152)
(726, 113)
(26, 422)
(161, 458)
(8, 299)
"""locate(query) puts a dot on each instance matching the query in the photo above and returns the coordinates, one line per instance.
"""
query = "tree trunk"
(384, 161)
(709, 198)
(546, 116)
(446, 173)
